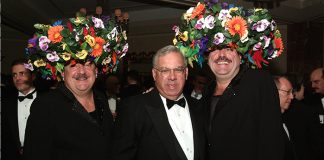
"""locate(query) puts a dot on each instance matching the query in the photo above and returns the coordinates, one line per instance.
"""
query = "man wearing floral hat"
(74, 120)
(242, 104)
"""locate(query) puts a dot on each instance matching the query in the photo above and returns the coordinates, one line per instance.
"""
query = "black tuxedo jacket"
(143, 132)
(60, 128)
(304, 129)
(10, 142)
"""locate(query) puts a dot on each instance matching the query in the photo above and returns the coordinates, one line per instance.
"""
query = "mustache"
(80, 76)
(222, 59)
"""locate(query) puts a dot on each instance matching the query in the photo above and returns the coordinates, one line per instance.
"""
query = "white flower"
(260, 26)
(224, 14)
(266, 41)
(52, 56)
(77, 38)
(245, 37)
(209, 22)
(98, 23)
(219, 38)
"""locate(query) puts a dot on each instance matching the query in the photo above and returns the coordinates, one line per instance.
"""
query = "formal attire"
(304, 120)
(245, 121)
(290, 153)
(147, 129)
(60, 128)
(196, 95)
(14, 115)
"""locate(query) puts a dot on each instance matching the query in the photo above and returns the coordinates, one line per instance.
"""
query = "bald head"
(317, 79)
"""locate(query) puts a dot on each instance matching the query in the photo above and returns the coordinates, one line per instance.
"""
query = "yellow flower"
(66, 56)
(64, 45)
(39, 63)
(78, 20)
(175, 41)
(233, 9)
(257, 9)
(184, 36)
(90, 40)
(82, 55)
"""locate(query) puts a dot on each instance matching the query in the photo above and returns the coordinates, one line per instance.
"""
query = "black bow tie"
(29, 96)
(181, 102)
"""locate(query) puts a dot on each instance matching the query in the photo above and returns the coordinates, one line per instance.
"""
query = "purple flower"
(43, 43)
(200, 23)
(260, 26)
(209, 22)
(98, 23)
(29, 66)
(52, 56)
(257, 46)
(219, 38)
(32, 42)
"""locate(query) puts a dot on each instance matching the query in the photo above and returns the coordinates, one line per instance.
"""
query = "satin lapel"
(159, 118)
(195, 128)
(14, 120)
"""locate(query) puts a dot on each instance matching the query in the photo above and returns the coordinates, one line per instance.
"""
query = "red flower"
(257, 57)
(85, 31)
(92, 31)
(70, 26)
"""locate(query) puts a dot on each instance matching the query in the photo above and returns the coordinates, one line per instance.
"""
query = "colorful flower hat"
(81, 39)
(211, 25)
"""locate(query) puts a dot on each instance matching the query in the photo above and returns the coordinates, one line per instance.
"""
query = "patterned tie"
(181, 102)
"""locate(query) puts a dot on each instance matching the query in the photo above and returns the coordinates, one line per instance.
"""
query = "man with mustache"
(242, 110)
(15, 110)
(71, 122)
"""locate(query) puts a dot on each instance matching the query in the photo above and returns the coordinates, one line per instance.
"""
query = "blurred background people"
(285, 91)
(302, 122)
(132, 86)
(112, 86)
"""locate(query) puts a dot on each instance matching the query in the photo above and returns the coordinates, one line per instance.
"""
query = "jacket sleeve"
(124, 141)
(39, 135)
(270, 129)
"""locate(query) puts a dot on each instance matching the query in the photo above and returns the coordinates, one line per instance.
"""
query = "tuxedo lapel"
(196, 133)
(159, 118)
(14, 120)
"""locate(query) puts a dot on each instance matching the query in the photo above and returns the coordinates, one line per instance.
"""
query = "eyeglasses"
(288, 92)
(166, 71)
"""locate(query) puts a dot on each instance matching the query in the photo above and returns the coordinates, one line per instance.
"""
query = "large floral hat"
(211, 25)
(80, 39)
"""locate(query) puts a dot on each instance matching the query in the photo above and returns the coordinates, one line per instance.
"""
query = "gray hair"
(166, 50)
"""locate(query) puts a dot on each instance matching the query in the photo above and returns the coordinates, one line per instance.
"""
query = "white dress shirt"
(180, 122)
(112, 104)
(23, 114)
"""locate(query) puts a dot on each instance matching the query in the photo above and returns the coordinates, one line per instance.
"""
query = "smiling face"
(79, 78)
(224, 63)
(170, 74)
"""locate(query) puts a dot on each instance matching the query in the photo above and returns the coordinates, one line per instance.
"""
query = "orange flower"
(97, 48)
(279, 45)
(54, 34)
(237, 25)
(198, 10)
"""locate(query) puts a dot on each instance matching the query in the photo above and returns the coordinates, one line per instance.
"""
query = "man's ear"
(153, 74)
